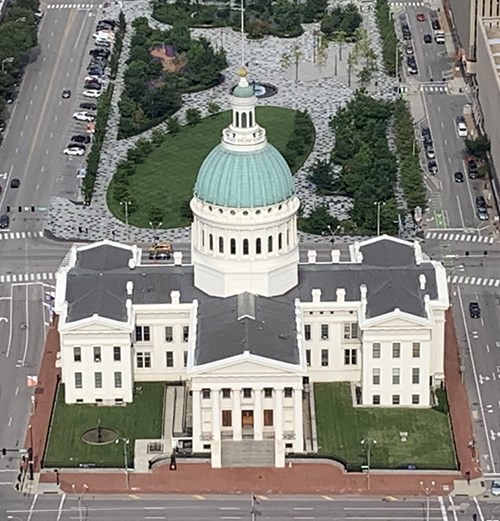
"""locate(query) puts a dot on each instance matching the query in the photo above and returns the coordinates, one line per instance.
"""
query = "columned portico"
(216, 414)
(197, 420)
(278, 409)
(236, 414)
(258, 415)
(298, 426)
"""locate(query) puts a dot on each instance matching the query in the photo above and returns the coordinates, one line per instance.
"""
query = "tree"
(173, 125)
(319, 221)
(479, 146)
(193, 117)
(213, 108)
(321, 174)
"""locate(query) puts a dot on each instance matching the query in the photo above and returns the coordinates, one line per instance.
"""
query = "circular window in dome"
(210, 208)
(257, 212)
(220, 210)
(245, 213)
(233, 212)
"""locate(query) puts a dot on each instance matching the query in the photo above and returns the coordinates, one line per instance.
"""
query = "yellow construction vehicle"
(161, 250)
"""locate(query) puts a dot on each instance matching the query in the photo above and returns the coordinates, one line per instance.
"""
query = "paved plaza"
(320, 87)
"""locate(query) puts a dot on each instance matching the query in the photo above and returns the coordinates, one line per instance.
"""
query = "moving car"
(161, 250)
(4, 221)
(474, 310)
(427, 38)
(91, 94)
(88, 106)
(15, 183)
(80, 138)
(83, 116)
(66, 93)
(461, 126)
(421, 17)
(432, 167)
(71, 151)
(458, 177)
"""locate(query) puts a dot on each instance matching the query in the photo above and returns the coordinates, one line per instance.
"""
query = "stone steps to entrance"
(248, 453)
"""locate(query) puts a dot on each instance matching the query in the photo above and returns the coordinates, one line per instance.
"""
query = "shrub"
(390, 43)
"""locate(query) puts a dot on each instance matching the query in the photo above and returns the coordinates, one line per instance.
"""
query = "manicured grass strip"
(138, 420)
(167, 177)
(341, 427)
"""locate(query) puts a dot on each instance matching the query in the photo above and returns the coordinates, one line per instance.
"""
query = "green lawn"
(140, 419)
(167, 177)
(341, 427)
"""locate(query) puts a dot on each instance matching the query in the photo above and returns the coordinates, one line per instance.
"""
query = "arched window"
(245, 246)
(288, 237)
(258, 246)
(203, 238)
(221, 244)
(237, 118)
(233, 246)
(270, 244)
(280, 241)
(250, 119)
(243, 120)
(211, 242)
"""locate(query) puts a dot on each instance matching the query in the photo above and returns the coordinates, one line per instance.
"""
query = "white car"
(83, 116)
(461, 128)
(106, 35)
(100, 79)
(92, 94)
(71, 151)
(495, 487)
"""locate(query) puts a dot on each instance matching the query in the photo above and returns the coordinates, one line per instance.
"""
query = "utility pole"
(85, 488)
(427, 492)
(379, 204)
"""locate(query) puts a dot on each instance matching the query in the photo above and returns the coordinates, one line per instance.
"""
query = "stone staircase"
(248, 453)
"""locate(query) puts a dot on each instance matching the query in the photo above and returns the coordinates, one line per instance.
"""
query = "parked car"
(409, 48)
(474, 310)
(429, 152)
(71, 151)
(435, 24)
(88, 106)
(432, 167)
(461, 126)
(439, 37)
(495, 487)
(426, 134)
(458, 177)
(2, 125)
(80, 138)
(100, 52)
(482, 214)
(91, 94)
(411, 64)
(4, 221)
(83, 116)
(480, 202)
(472, 169)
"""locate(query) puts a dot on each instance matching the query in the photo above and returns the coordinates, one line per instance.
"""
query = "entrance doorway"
(247, 419)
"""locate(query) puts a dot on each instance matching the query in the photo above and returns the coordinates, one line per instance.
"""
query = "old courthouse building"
(242, 331)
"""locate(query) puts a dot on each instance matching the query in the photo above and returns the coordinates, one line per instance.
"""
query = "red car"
(421, 17)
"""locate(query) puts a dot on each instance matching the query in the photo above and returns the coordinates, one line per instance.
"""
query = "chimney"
(335, 256)
(311, 256)
(316, 295)
(177, 258)
(131, 264)
(340, 295)
(363, 291)
(130, 287)
(175, 297)
(422, 280)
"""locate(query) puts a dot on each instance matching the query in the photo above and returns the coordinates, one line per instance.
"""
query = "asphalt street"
(79, 506)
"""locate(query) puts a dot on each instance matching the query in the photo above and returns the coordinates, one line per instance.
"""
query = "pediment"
(247, 365)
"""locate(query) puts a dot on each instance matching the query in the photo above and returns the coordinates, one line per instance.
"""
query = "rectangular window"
(308, 357)
(350, 331)
(288, 392)
(268, 417)
(205, 394)
(415, 399)
(376, 350)
(169, 334)
(185, 358)
(98, 380)
(170, 358)
(226, 393)
(324, 332)
(143, 360)
(78, 381)
(185, 333)
(268, 392)
(350, 356)
(395, 399)
(142, 334)
(227, 418)
(415, 375)
(376, 399)
(376, 376)
(77, 354)
(396, 350)
(117, 353)
(247, 393)
(307, 331)
(118, 380)
(97, 353)
(416, 349)
(396, 376)
(324, 357)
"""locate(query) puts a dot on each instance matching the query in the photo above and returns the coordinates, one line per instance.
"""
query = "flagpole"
(242, 33)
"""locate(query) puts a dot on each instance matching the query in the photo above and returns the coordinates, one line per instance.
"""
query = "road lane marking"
(10, 421)
(32, 507)
(60, 510)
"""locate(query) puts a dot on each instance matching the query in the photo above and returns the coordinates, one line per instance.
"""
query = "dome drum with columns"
(245, 210)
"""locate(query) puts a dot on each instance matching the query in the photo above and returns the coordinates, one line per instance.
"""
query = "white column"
(278, 416)
(236, 415)
(258, 415)
(298, 419)
(216, 420)
(196, 420)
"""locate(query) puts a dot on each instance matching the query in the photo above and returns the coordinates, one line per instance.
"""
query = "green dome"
(244, 92)
(244, 179)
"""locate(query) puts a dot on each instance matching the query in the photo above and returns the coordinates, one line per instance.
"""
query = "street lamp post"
(125, 205)
(427, 491)
(31, 455)
(378, 204)
(155, 230)
(333, 232)
(367, 443)
(125, 442)
(84, 489)
(7, 60)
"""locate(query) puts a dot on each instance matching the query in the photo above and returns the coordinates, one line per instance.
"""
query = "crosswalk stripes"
(74, 6)
(26, 277)
(461, 237)
(20, 235)
(474, 281)
(436, 89)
